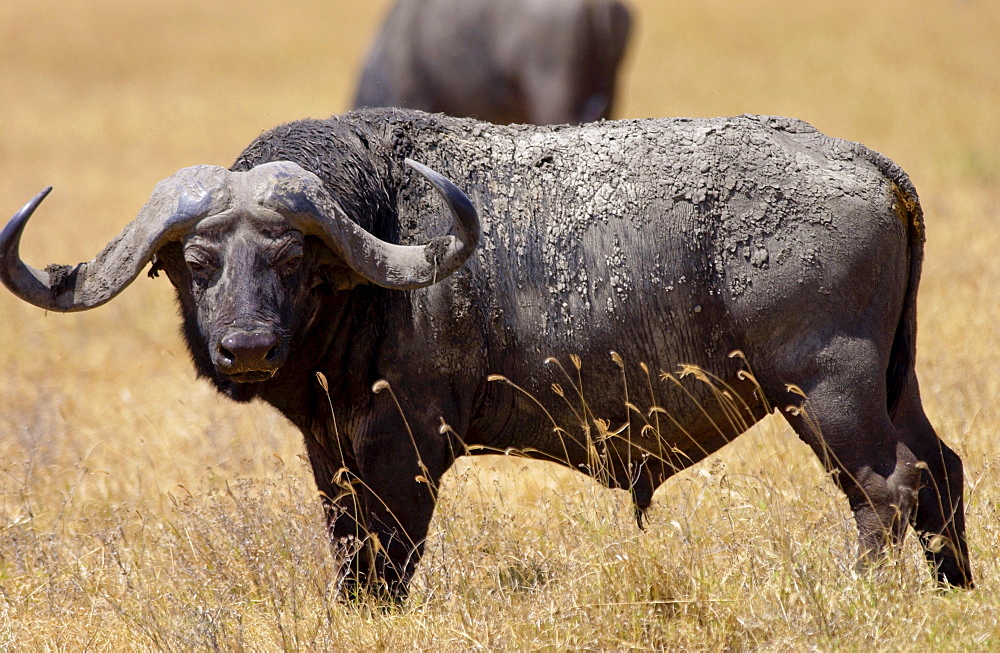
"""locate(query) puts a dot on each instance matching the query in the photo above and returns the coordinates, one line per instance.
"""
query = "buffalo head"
(244, 250)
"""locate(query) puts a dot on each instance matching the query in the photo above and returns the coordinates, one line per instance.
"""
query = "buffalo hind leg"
(939, 519)
(846, 423)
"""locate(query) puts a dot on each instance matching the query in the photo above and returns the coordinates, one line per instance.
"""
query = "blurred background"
(103, 98)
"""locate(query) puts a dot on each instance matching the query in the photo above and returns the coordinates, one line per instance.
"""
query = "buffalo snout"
(250, 355)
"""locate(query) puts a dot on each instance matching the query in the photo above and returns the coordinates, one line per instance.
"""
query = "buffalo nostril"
(249, 351)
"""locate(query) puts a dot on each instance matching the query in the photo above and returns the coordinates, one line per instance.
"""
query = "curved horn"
(299, 195)
(176, 203)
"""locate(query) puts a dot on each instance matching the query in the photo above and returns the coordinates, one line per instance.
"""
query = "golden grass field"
(139, 510)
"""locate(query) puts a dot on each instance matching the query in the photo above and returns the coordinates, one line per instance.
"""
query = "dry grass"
(140, 510)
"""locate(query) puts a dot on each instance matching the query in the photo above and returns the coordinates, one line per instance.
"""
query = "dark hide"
(668, 242)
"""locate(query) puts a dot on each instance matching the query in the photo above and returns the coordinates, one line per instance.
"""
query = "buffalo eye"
(290, 261)
(201, 268)
(291, 264)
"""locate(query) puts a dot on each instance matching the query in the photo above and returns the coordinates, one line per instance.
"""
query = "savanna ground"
(138, 509)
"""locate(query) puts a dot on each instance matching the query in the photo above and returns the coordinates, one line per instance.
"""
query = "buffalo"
(320, 275)
(538, 61)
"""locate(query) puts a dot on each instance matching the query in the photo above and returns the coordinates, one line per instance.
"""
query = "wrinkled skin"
(667, 242)
(517, 61)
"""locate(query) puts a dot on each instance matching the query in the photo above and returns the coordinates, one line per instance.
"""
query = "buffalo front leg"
(377, 554)
(379, 504)
(335, 471)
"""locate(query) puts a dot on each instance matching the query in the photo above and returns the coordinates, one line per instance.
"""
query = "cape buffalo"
(540, 61)
(312, 274)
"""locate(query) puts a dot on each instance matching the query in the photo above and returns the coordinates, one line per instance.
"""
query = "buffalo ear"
(329, 269)
(170, 259)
